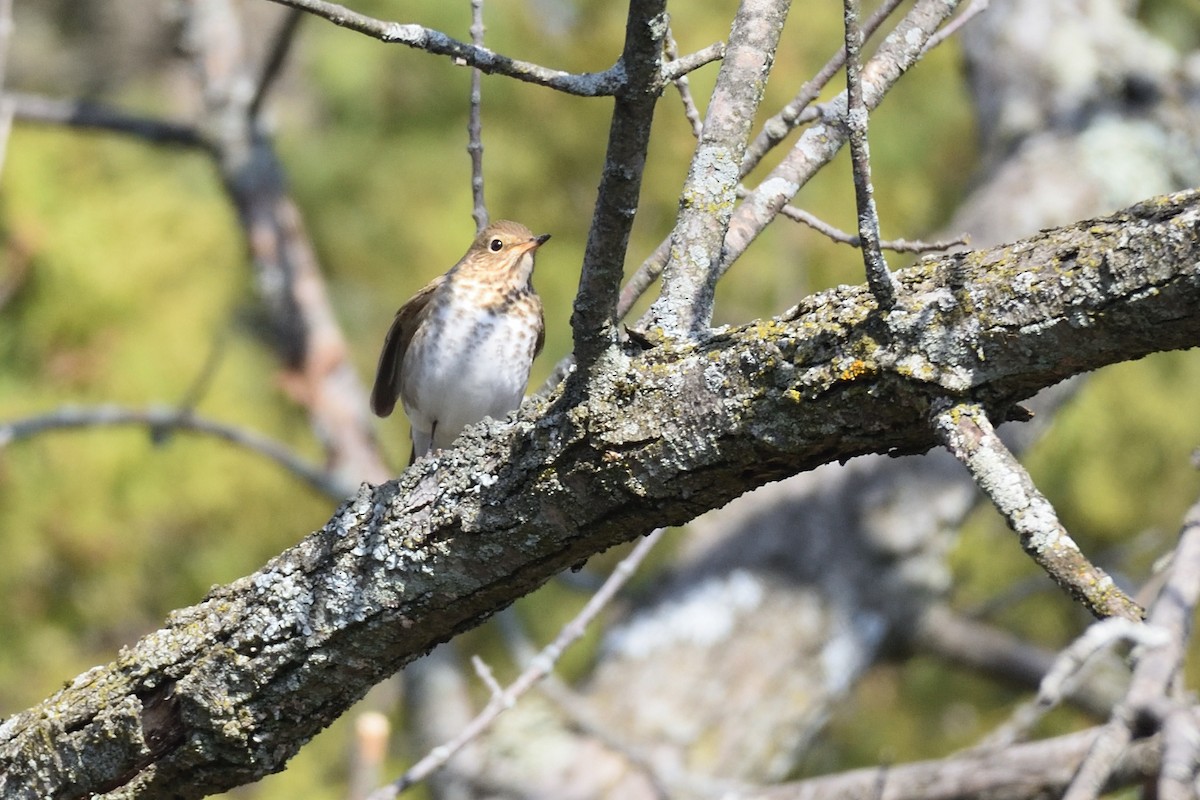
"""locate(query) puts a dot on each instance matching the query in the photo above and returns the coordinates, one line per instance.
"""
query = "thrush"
(461, 348)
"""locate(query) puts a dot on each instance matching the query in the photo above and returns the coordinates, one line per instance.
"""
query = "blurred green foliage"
(131, 269)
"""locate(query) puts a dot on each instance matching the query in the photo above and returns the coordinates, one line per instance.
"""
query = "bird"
(461, 348)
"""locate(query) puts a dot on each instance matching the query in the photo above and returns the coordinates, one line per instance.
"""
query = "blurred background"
(124, 279)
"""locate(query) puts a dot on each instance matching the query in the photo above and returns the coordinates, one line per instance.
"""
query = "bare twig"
(485, 674)
(1149, 703)
(590, 84)
(280, 45)
(307, 337)
(879, 277)
(157, 418)
(95, 116)
(474, 124)
(678, 67)
(685, 90)
(967, 433)
(895, 56)
(899, 52)
(541, 666)
(841, 237)
(684, 307)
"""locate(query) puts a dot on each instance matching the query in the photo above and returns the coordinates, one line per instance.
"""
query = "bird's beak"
(533, 244)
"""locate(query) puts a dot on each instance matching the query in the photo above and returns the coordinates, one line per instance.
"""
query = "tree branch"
(816, 148)
(306, 335)
(95, 116)
(590, 84)
(162, 418)
(684, 308)
(475, 125)
(231, 687)
(781, 124)
(593, 320)
(1149, 704)
(879, 278)
(1034, 769)
(967, 433)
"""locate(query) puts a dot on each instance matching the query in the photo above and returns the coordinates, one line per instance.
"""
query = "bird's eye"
(496, 245)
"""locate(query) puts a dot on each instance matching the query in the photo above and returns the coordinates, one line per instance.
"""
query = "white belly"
(468, 372)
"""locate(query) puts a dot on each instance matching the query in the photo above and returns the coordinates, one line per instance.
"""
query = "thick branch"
(230, 688)
(709, 194)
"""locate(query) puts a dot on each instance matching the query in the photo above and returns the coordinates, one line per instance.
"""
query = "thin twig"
(879, 277)
(487, 676)
(841, 237)
(158, 418)
(281, 44)
(678, 67)
(541, 666)
(589, 84)
(967, 433)
(685, 89)
(475, 125)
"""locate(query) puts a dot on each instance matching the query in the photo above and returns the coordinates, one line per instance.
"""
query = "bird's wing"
(541, 339)
(395, 345)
